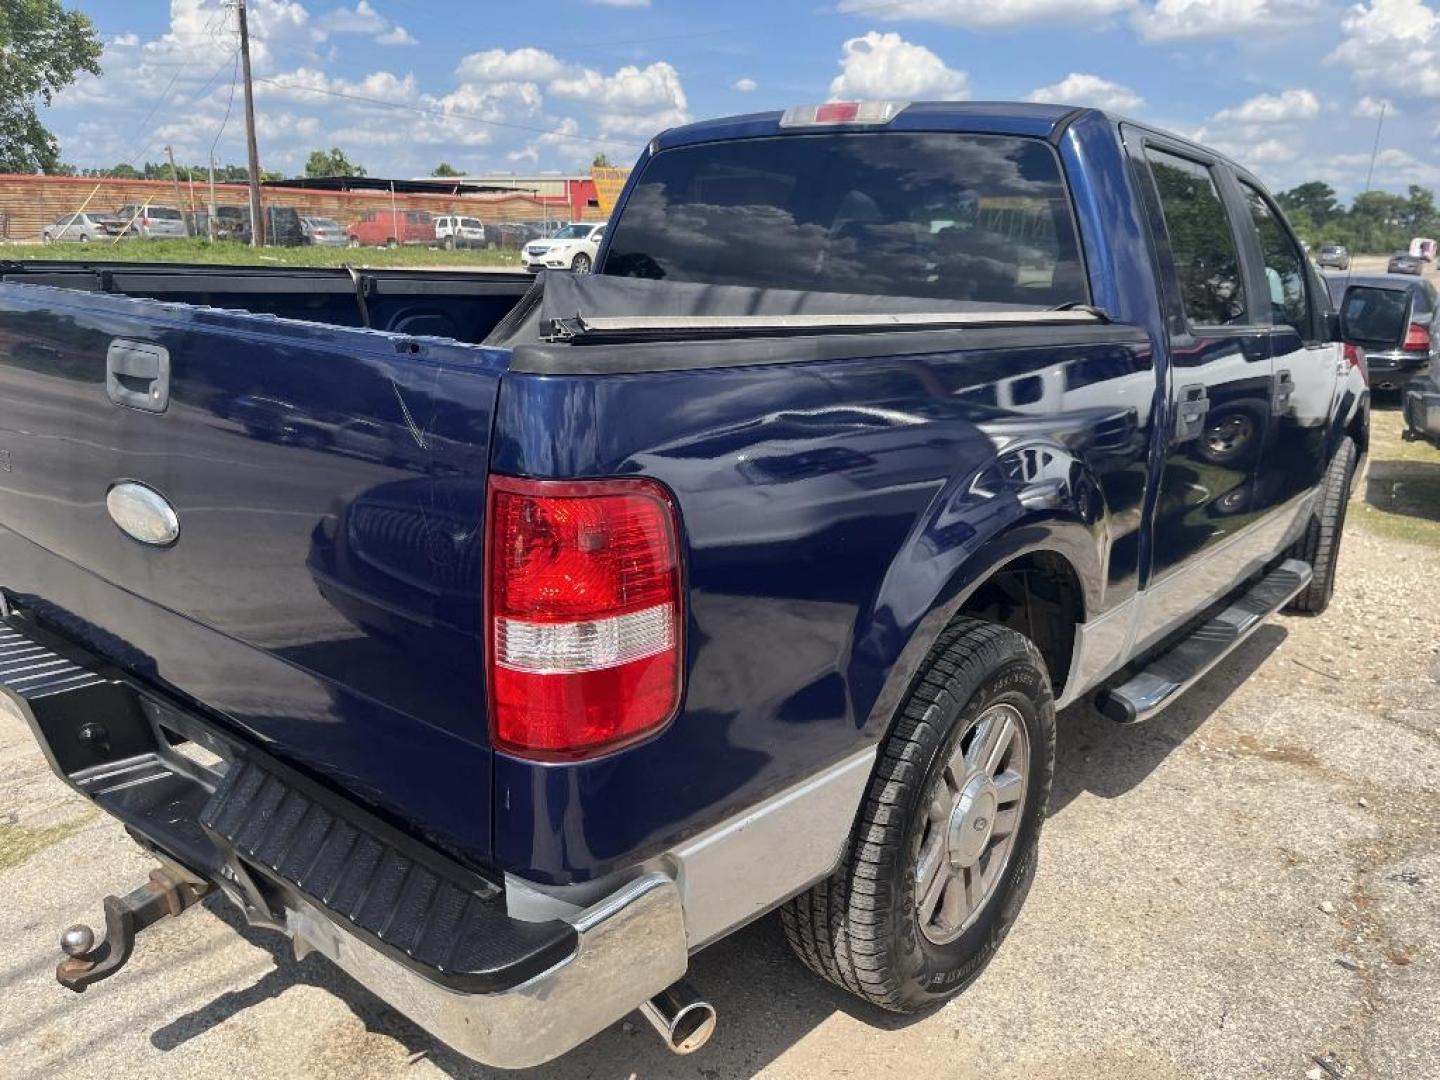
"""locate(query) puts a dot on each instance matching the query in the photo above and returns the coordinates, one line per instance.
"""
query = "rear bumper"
(1422, 412)
(423, 932)
(1392, 370)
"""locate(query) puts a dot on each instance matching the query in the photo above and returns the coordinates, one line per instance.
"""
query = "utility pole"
(210, 226)
(257, 220)
(175, 179)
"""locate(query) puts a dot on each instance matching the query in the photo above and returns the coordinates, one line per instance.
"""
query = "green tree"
(332, 162)
(602, 161)
(445, 169)
(43, 48)
(1314, 199)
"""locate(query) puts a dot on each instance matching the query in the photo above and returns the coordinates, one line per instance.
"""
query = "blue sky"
(1290, 87)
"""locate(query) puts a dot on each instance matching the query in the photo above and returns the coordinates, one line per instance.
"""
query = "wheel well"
(1038, 595)
(1359, 430)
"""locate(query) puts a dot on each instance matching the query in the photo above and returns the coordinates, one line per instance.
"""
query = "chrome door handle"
(137, 375)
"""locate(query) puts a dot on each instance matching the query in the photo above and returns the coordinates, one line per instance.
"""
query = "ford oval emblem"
(142, 513)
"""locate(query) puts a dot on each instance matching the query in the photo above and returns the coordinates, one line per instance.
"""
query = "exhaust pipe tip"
(683, 1019)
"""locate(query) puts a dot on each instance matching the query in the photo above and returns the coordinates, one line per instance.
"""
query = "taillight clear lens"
(1355, 358)
(1417, 337)
(585, 614)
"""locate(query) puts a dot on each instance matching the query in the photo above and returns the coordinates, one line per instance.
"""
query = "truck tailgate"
(323, 593)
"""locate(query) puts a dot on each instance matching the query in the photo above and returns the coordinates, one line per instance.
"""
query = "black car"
(1412, 306)
(1402, 262)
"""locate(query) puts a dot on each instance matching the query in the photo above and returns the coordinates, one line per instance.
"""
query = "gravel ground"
(1246, 886)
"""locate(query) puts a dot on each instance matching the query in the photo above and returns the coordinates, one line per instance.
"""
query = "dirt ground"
(1246, 886)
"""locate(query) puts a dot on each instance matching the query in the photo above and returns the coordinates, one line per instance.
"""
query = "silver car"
(81, 228)
(324, 232)
(151, 220)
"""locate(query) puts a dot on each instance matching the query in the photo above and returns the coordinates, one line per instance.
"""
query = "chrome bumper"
(632, 946)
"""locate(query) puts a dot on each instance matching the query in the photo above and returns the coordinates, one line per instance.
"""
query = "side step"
(1172, 673)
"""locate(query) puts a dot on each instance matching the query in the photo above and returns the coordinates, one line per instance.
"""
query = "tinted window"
(470, 222)
(573, 232)
(163, 213)
(955, 217)
(1200, 240)
(1376, 316)
(1284, 266)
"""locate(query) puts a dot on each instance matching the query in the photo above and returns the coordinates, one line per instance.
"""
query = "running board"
(1172, 673)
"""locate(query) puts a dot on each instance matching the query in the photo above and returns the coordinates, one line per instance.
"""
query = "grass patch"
(1401, 500)
(20, 842)
(228, 252)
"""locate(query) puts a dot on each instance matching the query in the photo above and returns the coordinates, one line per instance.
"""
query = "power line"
(446, 113)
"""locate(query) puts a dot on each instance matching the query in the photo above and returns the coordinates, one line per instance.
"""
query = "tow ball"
(169, 891)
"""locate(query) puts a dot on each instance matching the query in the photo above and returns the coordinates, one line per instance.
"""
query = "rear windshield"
(934, 215)
(164, 213)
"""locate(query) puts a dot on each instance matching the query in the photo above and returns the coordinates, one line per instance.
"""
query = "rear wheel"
(353, 242)
(449, 243)
(392, 243)
(943, 852)
(1320, 546)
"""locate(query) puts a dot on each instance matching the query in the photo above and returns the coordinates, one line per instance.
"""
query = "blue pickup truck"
(507, 641)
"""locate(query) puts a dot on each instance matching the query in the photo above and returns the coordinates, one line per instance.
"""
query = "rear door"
(1219, 392)
(1305, 365)
(324, 589)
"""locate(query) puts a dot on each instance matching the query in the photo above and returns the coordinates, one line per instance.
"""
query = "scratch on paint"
(409, 420)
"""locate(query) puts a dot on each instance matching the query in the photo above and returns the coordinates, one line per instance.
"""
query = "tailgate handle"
(137, 375)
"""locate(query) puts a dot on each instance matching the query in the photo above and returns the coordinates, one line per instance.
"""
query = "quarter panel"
(834, 513)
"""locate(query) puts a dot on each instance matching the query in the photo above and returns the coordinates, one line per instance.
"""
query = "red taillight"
(584, 614)
(1417, 338)
(1355, 359)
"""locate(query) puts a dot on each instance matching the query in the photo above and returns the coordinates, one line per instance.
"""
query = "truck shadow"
(767, 1002)
(1411, 488)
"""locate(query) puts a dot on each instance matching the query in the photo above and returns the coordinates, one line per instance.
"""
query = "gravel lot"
(1246, 886)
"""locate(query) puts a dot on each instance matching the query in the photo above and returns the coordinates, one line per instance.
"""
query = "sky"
(1291, 88)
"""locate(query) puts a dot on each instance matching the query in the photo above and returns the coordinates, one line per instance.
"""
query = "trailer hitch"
(169, 891)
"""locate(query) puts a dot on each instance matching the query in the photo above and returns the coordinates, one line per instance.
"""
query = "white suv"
(572, 248)
(456, 232)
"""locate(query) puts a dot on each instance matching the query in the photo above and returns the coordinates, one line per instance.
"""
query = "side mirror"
(1373, 317)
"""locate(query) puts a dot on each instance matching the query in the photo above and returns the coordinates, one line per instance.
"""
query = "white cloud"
(1396, 167)
(1288, 106)
(634, 100)
(361, 19)
(1080, 89)
(125, 40)
(396, 35)
(879, 65)
(1392, 43)
(1170, 20)
(746, 85)
(1370, 108)
(497, 65)
(988, 14)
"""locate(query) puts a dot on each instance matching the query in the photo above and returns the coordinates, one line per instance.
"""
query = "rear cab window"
(1284, 264)
(947, 216)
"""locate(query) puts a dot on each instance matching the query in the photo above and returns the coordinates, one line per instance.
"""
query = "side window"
(1201, 240)
(1284, 266)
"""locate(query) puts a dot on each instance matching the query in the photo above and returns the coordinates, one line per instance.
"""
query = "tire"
(1320, 546)
(392, 243)
(353, 242)
(449, 243)
(580, 264)
(861, 929)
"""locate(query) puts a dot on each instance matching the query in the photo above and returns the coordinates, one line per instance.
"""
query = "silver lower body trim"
(632, 946)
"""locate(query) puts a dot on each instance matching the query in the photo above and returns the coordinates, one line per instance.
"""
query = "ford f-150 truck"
(507, 641)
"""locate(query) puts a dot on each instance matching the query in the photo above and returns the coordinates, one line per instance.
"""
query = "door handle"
(1190, 411)
(1284, 390)
(137, 375)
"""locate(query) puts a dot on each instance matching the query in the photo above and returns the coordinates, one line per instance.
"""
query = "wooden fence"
(29, 203)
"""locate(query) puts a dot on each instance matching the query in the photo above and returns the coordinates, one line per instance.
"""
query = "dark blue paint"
(325, 594)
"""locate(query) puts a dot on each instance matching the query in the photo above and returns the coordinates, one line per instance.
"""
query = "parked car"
(385, 228)
(232, 223)
(1396, 324)
(453, 231)
(1421, 405)
(1336, 256)
(1422, 248)
(151, 220)
(1402, 262)
(81, 228)
(572, 248)
(324, 232)
(745, 574)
